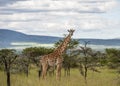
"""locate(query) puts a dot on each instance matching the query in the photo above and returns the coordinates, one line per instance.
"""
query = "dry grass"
(105, 78)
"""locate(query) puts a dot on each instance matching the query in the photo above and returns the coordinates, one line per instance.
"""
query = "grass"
(107, 77)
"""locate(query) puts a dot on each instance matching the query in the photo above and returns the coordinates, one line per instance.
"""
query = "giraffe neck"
(65, 43)
(63, 46)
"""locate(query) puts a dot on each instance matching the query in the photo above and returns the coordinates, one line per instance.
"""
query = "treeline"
(82, 57)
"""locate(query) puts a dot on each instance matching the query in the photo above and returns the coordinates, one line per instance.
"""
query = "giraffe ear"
(68, 30)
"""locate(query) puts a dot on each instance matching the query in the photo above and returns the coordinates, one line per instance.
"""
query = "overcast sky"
(90, 18)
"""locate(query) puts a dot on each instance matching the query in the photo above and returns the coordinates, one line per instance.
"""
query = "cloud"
(59, 6)
(6, 2)
(47, 17)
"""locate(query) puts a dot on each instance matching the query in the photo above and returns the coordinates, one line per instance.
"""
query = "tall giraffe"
(55, 57)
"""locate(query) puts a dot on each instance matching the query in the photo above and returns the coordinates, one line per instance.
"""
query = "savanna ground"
(107, 77)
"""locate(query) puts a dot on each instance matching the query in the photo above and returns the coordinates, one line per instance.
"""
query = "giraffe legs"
(45, 64)
(58, 70)
(44, 70)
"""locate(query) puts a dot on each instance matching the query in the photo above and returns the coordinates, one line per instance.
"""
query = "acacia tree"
(102, 59)
(7, 57)
(32, 55)
(87, 60)
(113, 58)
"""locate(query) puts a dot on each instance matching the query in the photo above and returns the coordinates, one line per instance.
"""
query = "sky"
(90, 18)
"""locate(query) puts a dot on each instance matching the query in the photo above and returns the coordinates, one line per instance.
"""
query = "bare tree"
(87, 60)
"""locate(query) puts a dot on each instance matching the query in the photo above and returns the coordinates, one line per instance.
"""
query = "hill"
(8, 36)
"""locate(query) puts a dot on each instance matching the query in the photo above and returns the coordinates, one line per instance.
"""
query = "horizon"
(90, 18)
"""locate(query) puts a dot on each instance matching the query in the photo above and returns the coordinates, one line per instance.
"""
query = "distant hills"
(8, 36)
(106, 42)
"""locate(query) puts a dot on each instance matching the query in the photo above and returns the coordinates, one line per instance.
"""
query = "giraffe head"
(71, 31)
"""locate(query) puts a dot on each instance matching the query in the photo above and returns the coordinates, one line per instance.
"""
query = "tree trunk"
(27, 70)
(7, 69)
(86, 61)
(85, 73)
(8, 78)
(39, 73)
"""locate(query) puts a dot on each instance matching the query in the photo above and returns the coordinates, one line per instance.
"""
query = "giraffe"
(55, 58)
